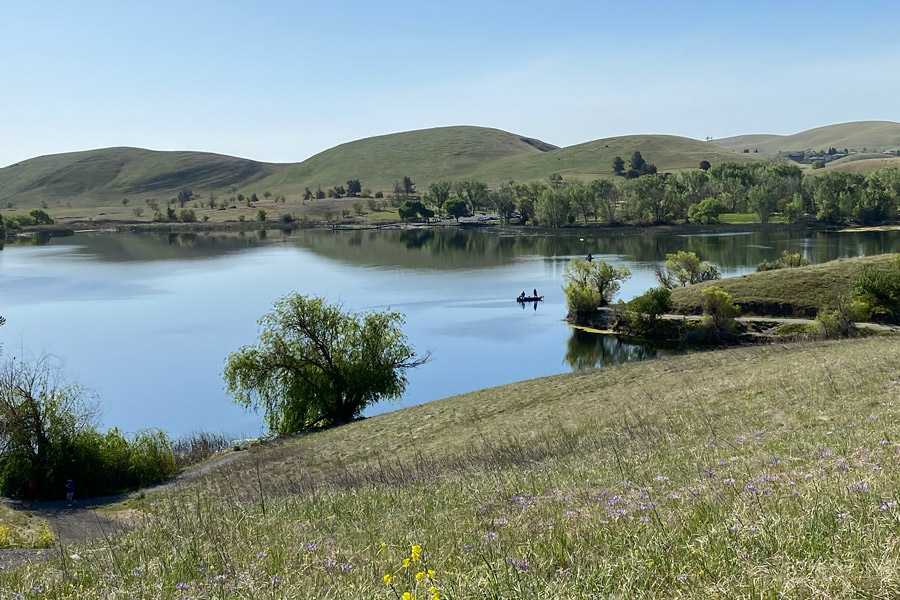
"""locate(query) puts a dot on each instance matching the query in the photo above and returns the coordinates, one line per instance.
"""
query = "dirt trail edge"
(82, 522)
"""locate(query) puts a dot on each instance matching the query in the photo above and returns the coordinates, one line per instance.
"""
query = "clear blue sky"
(282, 80)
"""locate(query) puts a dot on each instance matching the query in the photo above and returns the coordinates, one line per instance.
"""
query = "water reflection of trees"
(586, 350)
(458, 248)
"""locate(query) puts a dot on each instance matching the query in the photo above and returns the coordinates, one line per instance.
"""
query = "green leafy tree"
(605, 199)
(555, 180)
(719, 313)
(763, 200)
(707, 211)
(267, 194)
(527, 196)
(503, 200)
(618, 165)
(456, 208)
(354, 188)
(41, 217)
(316, 365)
(645, 311)
(590, 284)
(553, 208)
(704, 165)
(261, 215)
(440, 191)
(685, 268)
(184, 196)
(879, 289)
(474, 193)
(647, 200)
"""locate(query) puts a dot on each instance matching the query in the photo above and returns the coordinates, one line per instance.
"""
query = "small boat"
(529, 299)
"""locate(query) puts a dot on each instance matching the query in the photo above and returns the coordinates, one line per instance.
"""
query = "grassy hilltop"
(94, 176)
(871, 135)
(750, 472)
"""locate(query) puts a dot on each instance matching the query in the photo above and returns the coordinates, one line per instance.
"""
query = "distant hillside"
(871, 135)
(111, 173)
(425, 155)
(866, 165)
(489, 155)
(77, 183)
(594, 159)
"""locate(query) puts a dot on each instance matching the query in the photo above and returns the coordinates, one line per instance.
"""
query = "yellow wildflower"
(416, 552)
(430, 573)
(420, 575)
(406, 562)
(388, 579)
(408, 596)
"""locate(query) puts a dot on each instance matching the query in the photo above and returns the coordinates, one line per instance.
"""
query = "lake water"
(147, 320)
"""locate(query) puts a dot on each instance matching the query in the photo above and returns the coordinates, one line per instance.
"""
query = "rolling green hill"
(594, 159)
(871, 135)
(425, 155)
(100, 178)
(96, 176)
(91, 184)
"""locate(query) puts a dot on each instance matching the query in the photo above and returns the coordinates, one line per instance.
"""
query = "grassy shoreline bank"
(746, 472)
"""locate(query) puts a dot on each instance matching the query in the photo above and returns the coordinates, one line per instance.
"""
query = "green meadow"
(760, 472)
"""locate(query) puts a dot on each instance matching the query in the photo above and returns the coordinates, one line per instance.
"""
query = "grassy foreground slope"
(786, 292)
(95, 176)
(871, 135)
(750, 472)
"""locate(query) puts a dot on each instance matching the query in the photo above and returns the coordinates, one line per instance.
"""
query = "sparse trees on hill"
(184, 196)
(409, 188)
(354, 188)
(555, 180)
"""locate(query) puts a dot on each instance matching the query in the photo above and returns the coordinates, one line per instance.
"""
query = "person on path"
(70, 492)
(31, 493)
(590, 257)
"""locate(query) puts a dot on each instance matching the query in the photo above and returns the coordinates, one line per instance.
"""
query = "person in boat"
(535, 293)
(522, 295)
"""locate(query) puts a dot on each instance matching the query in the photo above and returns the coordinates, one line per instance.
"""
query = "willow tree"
(315, 365)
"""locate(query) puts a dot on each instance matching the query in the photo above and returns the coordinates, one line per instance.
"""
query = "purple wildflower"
(728, 481)
(502, 521)
(491, 535)
(860, 486)
(346, 567)
(311, 546)
(181, 585)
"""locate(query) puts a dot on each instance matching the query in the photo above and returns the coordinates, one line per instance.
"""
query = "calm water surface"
(146, 320)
